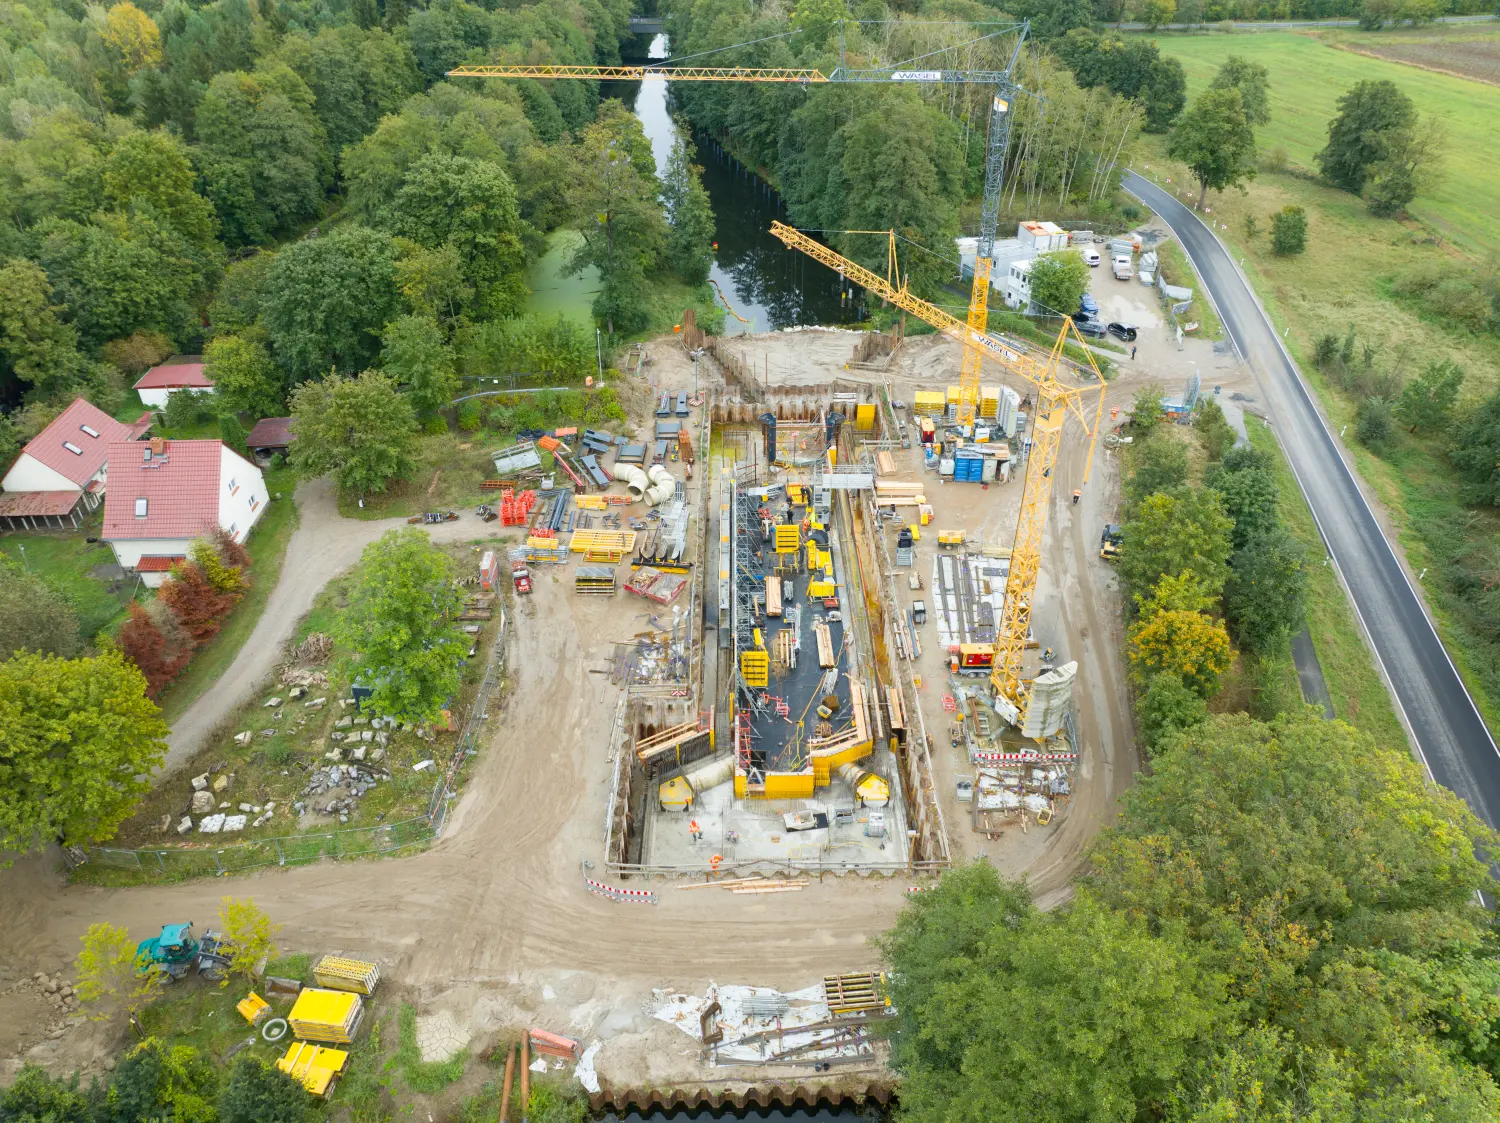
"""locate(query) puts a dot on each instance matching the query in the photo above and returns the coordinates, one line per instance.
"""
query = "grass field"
(1468, 50)
(1308, 75)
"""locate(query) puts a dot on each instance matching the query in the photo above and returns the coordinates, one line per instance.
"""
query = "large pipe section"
(872, 789)
(663, 487)
(636, 482)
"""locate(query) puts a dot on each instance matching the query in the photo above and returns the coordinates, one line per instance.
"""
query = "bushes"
(1453, 293)
(1289, 231)
(533, 344)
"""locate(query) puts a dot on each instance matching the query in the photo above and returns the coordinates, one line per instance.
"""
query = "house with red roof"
(60, 475)
(160, 382)
(164, 494)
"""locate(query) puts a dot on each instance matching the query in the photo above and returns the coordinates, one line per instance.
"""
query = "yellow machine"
(949, 539)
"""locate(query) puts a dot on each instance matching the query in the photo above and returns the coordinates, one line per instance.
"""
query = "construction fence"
(181, 863)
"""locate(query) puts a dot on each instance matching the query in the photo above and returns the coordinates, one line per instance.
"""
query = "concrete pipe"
(659, 475)
(634, 479)
(658, 494)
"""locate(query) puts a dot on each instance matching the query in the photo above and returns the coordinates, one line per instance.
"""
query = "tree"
(1411, 163)
(399, 630)
(1006, 1014)
(245, 378)
(133, 38)
(1146, 410)
(33, 616)
(1215, 141)
(79, 740)
(1215, 434)
(251, 935)
(470, 205)
(36, 346)
(360, 429)
(328, 299)
(156, 1081)
(1058, 282)
(1154, 13)
(1372, 421)
(198, 606)
(1428, 398)
(1289, 230)
(35, 1097)
(1250, 498)
(691, 218)
(154, 169)
(259, 1093)
(1157, 463)
(137, 353)
(416, 356)
(1173, 534)
(1476, 452)
(1190, 645)
(1267, 590)
(1253, 82)
(263, 153)
(1164, 93)
(1168, 706)
(107, 974)
(613, 196)
(1359, 135)
(240, 299)
(142, 641)
(225, 578)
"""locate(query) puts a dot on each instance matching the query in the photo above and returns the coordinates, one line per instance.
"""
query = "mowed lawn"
(1307, 78)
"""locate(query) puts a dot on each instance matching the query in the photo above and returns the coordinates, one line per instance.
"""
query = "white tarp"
(746, 1013)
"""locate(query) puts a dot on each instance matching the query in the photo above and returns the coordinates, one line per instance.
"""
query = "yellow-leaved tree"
(1190, 645)
(132, 35)
(107, 976)
(250, 933)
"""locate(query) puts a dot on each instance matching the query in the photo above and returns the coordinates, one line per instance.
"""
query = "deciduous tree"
(1476, 452)
(360, 429)
(399, 631)
(1267, 590)
(134, 39)
(36, 346)
(107, 975)
(1359, 135)
(144, 644)
(1253, 82)
(1190, 645)
(691, 218)
(199, 607)
(1157, 463)
(328, 299)
(153, 168)
(1428, 398)
(251, 935)
(245, 378)
(1215, 141)
(1411, 163)
(34, 616)
(1289, 231)
(79, 740)
(259, 1093)
(417, 356)
(1168, 706)
(1058, 282)
(1172, 534)
(1250, 497)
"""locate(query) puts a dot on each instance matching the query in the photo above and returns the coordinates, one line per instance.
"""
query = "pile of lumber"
(899, 493)
(753, 885)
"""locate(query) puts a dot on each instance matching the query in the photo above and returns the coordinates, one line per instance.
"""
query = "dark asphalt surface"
(1450, 736)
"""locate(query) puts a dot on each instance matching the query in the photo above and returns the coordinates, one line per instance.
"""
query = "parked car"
(1088, 308)
(1122, 331)
(1123, 269)
(1091, 328)
(1091, 255)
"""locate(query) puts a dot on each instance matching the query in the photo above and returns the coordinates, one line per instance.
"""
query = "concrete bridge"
(647, 25)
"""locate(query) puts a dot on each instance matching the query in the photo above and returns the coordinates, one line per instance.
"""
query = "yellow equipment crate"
(326, 1015)
(817, 590)
(989, 401)
(788, 536)
(315, 1067)
(253, 1008)
(346, 974)
(928, 403)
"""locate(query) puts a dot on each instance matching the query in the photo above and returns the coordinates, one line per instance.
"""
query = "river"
(765, 285)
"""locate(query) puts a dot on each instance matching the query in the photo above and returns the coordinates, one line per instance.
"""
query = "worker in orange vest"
(1077, 495)
(695, 831)
(713, 863)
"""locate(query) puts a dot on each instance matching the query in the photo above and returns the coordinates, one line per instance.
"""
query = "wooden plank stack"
(826, 654)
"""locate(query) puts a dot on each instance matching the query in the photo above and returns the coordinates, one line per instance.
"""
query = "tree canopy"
(1215, 140)
(360, 429)
(1370, 113)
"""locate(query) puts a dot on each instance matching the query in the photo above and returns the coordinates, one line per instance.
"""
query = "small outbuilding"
(270, 436)
(159, 383)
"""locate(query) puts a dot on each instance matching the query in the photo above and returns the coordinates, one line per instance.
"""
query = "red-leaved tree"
(233, 553)
(198, 606)
(145, 646)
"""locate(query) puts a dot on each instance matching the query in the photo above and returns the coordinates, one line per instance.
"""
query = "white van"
(1091, 255)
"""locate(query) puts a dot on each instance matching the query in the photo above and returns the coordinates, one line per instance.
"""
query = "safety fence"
(180, 863)
(624, 896)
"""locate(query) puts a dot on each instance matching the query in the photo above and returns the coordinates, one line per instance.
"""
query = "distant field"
(1472, 50)
(1307, 77)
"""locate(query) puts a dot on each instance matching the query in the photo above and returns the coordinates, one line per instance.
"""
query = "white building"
(164, 494)
(1041, 237)
(1015, 286)
(60, 475)
(160, 382)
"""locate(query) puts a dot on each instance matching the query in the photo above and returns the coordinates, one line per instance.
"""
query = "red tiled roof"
(18, 503)
(181, 490)
(270, 432)
(140, 426)
(158, 564)
(47, 446)
(172, 375)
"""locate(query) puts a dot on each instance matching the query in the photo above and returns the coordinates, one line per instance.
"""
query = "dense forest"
(294, 190)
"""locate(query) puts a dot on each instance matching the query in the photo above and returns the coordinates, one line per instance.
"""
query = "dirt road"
(323, 546)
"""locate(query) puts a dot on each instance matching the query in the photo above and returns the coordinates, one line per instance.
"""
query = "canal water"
(765, 285)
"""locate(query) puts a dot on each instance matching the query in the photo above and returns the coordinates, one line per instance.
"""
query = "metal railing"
(180, 863)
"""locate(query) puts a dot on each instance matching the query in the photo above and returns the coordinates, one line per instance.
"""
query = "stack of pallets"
(598, 579)
(855, 994)
(346, 974)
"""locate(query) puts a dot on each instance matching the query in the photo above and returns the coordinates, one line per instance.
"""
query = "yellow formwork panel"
(954, 393)
(314, 1066)
(864, 418)
(788, 785)
(756, 667)
(928, 403)
(337, 973)
(824, 766)
(816, 590)
(741, 785)
(788, 538)
(585, 540)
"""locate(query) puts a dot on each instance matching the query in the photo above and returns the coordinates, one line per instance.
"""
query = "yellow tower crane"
(1055, 399)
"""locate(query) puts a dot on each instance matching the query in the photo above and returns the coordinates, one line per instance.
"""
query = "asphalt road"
(1446, 728)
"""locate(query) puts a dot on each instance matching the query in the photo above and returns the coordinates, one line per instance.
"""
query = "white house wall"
(241, 509)
(129, 551)
(157, 398)
(30, 474)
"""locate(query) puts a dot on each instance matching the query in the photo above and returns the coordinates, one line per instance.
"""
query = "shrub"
(1372, 422)
(435, 426)
(1326, 351)
(1289, 231)
(470, 416)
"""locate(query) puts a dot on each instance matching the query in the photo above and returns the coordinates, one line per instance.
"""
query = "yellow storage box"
(788, 537)
(928, 403)
(326, 1015)
(253, 1008)
(315, 1067)
(346, 974)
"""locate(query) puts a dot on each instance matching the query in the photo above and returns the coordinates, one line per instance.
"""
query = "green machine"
(176, 951)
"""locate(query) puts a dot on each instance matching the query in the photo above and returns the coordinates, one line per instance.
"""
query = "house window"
(233, 487)
(254, 503)
(145, 456)
(71, 447)
(140, 508)
(233, 529)
(90, 430)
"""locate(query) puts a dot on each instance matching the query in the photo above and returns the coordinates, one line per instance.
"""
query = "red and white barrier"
(1021, 758)
(609, 892)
